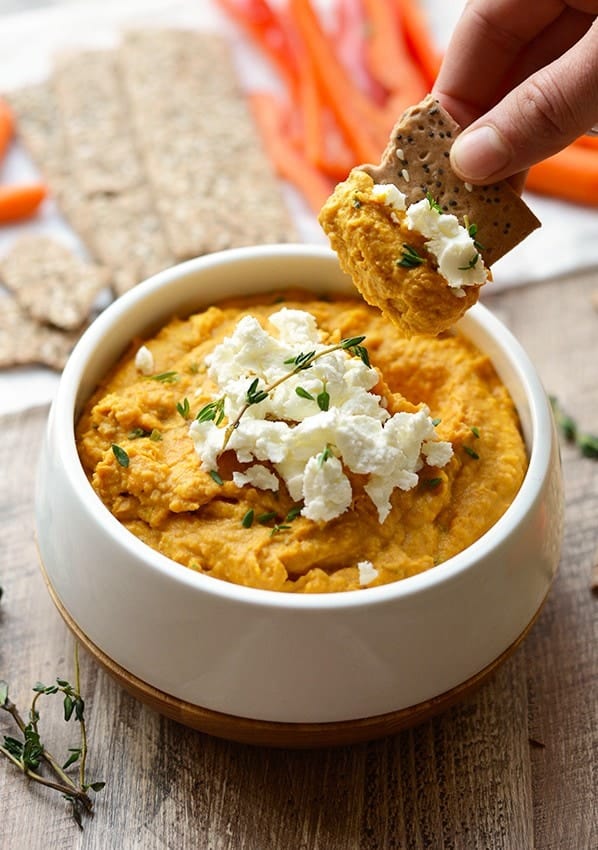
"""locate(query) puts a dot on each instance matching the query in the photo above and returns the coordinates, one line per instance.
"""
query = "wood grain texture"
(510, 768)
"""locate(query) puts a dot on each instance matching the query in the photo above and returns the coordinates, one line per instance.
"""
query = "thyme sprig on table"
(28, 753)
(567, 426)
(214, 411)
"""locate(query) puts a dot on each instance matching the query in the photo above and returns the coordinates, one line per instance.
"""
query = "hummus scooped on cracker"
(417, 241)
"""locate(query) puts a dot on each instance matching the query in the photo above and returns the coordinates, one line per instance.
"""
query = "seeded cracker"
(212, 182)
(95, 122)
(50, 282)
(40, 129)
(120, 229)
(416, 160)
(24, 341)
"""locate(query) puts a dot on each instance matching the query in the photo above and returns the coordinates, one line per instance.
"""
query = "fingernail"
(480, 153)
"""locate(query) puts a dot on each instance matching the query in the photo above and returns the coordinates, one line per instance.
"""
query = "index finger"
(487, 38)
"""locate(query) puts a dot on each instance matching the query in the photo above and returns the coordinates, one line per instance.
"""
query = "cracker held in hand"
(422, 267)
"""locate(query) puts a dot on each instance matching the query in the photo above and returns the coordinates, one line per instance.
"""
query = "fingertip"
(479, 154)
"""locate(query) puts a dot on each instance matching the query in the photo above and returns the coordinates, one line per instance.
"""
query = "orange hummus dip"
(135, 446)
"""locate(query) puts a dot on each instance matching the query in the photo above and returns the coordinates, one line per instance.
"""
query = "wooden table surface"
(511, 768)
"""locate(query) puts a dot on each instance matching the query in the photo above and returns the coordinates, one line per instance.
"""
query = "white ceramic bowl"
(280, 658)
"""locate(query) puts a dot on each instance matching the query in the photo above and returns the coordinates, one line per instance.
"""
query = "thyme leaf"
(247, 520)
(325, 455)
(215, 476)
(472, 229)
(434, 205)
(165, 377)
(294, 512)
(212, 412)
(303, 393)
(267, 517)
(120, 454)
(254, 394)
(184, 408)
(323, 400)
(137, 433)
(568, 427)
(410, 259)
(471, 264)
(471, 452)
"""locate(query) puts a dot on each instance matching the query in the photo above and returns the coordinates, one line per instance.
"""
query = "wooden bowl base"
(269, 733)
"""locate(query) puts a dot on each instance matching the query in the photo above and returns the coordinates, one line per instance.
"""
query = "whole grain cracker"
(121, 230)
(416, 160)
(50, 282)
(23, 341)
(95, 122)
(212, 182)
(127, 236)
(40, 129)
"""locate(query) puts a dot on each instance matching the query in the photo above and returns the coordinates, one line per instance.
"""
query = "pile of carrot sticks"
(347, 79)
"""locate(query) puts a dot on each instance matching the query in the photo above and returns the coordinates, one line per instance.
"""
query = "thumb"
(535, 120)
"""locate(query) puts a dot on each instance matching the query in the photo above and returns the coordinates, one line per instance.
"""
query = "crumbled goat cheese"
(459, 261)
(144, 360)
(390, 195)
(258, 476)
(311, 449)
(367, 572)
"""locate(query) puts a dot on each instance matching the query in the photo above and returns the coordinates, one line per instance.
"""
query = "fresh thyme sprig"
(214, 411)
(472, 229)
(28, 752)
(410, 259)
(434, 205)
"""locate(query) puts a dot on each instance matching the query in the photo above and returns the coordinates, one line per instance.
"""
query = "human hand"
(523, 79)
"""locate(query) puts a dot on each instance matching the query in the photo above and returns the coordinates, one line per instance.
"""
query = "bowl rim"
(62, 417)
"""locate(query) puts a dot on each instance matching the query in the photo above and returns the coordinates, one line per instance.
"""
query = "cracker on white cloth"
(121, 230)
(24, 341)
(213, 184)
(50, 282)
(95, 122)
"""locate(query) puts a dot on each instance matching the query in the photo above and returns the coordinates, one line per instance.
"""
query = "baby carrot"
(267, 29)
(7, 126)
(323, 141)
(418, 37)
(20, 201)
(365, 126)
(388, 58)
(590, 142)
(288, 162)
(571, 174)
